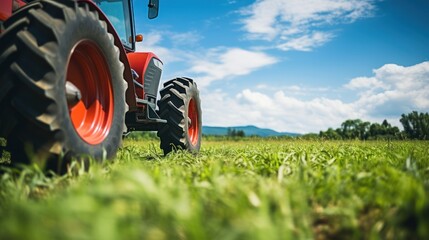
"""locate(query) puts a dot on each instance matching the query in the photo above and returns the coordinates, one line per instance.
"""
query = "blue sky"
(295, 65)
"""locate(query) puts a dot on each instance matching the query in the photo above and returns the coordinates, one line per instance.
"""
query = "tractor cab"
(120, 15)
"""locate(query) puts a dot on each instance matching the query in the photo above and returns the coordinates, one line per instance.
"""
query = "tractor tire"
(180, 105)
(47, 45)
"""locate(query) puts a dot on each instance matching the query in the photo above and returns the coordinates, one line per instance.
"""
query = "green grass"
(250, 189)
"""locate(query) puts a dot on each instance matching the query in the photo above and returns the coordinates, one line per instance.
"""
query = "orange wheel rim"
(88, 70)
(193, 126)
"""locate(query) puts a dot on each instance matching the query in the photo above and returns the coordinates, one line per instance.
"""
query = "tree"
(240, 133)
(358, 129)
(330, 134)
(363, 128)
(416, 125)
(375, 129)
(383, 131)
(235, 133)
(347, 127)
(354, 128)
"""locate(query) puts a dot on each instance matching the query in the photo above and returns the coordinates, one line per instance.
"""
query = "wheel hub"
(89, 92)
(193, 120)
(73, 94)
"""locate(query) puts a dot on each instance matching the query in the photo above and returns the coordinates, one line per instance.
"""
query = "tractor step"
(147, 120)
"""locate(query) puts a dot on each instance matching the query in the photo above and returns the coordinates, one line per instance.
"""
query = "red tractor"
(71, 83)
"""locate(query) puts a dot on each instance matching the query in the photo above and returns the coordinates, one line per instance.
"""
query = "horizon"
(294, 66)
(401, 128)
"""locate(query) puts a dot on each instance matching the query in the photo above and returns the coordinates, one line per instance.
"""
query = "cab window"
(118, 13)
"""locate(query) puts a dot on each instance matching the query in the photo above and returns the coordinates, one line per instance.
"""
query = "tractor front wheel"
(180, 106)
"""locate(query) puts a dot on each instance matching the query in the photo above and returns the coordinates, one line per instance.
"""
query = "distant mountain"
(248, 130)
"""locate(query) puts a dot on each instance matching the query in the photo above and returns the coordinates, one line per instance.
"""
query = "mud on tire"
(40, 41)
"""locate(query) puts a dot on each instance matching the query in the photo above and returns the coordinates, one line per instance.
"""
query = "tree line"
(231, 132)
(415, 124)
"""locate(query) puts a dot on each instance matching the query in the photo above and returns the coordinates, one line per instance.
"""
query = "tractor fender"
(5, 10)
(130, 93)
(7, 7)
(149, 68)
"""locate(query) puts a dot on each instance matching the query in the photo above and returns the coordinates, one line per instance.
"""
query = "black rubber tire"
(174, 106)
(34, 53)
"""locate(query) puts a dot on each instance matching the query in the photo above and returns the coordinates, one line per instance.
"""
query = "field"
(246, 189)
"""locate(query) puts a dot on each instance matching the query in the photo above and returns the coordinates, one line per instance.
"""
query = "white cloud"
(207, 65)
(152, 43)
(404, 78)
(364, 83)
(277, 111)
(185, 39)
(222, 64)
(399, 90)
(289, 22)
(178, 42)
(402, 89)
(306, 42)
(295, 90)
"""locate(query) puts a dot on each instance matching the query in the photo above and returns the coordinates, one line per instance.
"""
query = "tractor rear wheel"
(180, 106)
(62, 90)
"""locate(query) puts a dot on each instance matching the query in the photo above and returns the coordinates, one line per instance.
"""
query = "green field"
(247, 189)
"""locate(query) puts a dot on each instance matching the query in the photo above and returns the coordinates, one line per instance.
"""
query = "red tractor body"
(70, 78)
(5, 10)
